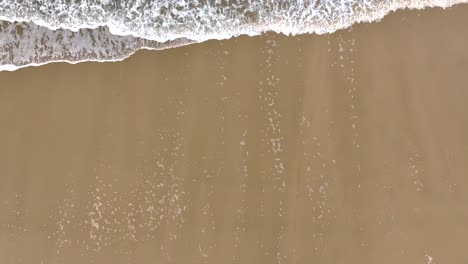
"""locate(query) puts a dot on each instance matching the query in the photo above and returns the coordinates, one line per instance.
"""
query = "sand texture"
(347, 148)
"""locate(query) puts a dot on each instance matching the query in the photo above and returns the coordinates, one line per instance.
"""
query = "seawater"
(37, 32)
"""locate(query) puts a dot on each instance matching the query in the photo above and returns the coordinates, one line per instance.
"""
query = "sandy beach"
(342, 148)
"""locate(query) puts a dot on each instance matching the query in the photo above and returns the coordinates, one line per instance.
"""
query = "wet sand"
(342, 148)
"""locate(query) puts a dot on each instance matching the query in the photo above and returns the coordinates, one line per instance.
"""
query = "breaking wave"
(36, 32)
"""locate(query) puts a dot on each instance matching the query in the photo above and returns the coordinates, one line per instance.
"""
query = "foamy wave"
(103, 30)
(27, 44)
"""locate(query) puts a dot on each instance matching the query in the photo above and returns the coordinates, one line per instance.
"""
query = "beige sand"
(349, 148)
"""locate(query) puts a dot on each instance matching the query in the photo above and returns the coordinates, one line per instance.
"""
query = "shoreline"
(11, 67)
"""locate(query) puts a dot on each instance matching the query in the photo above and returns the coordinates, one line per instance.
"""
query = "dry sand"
(347, 148)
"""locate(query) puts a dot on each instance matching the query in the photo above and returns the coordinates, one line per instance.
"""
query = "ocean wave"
(42, 31)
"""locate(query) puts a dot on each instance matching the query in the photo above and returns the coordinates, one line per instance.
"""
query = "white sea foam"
(108, 30)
